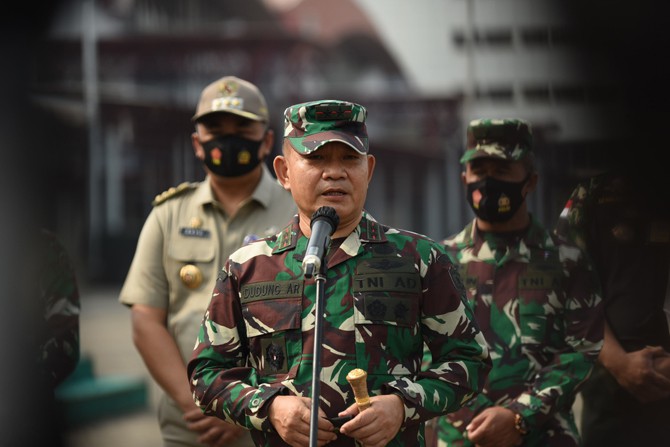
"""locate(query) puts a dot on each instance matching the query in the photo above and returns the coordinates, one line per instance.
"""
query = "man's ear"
(532, 182)
(282, 171)
(266, 144)
(372, 162)
(197, 147)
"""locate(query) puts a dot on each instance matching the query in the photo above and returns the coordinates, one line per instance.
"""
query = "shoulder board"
(173, 192)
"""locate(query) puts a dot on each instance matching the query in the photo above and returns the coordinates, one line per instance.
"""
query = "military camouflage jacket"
(622, 220)
(538, 304)
(387, 292)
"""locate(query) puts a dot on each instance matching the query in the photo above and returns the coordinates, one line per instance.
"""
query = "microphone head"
(328, 214)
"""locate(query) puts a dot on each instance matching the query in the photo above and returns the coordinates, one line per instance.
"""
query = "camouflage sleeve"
(458, 420)
(570, 226)
(60, 297)
(469, 409)
(222, 385)
(575, 351)
(459, 358)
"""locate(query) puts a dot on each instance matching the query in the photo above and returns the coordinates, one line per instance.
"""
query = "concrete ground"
(106, 338)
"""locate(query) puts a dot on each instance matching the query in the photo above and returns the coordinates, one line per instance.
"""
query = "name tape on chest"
(270, 290)
(194, 232)
(531, 280)
(539, 281)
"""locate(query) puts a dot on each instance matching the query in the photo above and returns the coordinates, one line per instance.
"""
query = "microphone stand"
(320, 279)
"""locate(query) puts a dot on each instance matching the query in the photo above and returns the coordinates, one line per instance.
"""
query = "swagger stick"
(357, 378)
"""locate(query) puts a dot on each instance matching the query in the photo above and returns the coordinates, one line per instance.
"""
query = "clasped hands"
(374, 427)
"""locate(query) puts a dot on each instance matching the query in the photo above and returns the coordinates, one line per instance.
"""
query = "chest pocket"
(193, 247)
(539, 290)
(192, 244)
(272, 316)
(387, 292)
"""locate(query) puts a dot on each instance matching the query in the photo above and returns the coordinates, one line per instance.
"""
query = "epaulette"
(173, 192)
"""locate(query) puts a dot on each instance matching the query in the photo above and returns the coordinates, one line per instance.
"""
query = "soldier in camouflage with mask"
(536, 300)
(387, 292)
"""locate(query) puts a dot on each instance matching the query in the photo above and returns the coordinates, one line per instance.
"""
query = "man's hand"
(290, 416)
(636, 373)
(494, 427)
(662, 364)
(212, 431)
(378, 425)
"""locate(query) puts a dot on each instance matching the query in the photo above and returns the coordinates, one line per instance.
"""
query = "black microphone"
(324, 222)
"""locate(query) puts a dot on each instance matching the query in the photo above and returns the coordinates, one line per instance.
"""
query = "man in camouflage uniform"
(622, 220)
(387, 291)
(185, 241)
(536, 301)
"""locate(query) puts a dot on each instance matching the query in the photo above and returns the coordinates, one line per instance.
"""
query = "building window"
(495, 93)
(483, 38)
(496, 37)
(458, 38)
(536, 94)
(569, 94)
(535, 37)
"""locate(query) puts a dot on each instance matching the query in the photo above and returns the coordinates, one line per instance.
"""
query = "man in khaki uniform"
(187, 237)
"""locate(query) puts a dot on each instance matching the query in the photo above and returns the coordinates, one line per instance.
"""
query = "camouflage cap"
(508, 139)
(310, 125)
(232, 95)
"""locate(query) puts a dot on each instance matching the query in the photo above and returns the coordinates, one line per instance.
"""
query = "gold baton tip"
(357, 379)
(356, 375)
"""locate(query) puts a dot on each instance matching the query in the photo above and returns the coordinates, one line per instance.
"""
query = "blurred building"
(523, 58)
(119, 79)
(546, 61)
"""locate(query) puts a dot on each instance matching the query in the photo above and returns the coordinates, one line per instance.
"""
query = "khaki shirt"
(191, 228)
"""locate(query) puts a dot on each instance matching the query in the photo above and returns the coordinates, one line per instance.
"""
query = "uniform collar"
(204, 194)
(483, 246)
(262, 194)
(367, 231)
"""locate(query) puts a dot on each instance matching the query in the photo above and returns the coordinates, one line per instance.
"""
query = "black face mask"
(231, 155)
(499, 199)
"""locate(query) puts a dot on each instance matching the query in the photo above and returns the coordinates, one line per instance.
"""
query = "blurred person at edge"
(387, 292)
(621, 218)
(185, 240)
(46, 309)
(536, 299)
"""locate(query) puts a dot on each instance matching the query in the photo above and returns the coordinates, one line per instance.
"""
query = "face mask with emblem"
(231, 155)
(495, 200)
